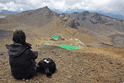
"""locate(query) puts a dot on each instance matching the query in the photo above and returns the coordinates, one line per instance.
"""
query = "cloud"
(10, 6)
(108, 6)
(21, 9)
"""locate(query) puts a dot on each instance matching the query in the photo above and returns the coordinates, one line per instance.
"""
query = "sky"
(107, 6)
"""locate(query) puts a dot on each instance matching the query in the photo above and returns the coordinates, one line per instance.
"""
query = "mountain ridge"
(97, 27)
(70, 11)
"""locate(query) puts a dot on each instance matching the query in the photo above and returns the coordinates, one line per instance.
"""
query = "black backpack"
(47, 66)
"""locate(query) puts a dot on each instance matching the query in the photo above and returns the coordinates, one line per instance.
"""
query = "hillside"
(98, 26)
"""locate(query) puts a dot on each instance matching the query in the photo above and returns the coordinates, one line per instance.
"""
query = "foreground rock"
(1, 53)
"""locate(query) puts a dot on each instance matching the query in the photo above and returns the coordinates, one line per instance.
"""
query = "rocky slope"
(74, 67)
(44, 22)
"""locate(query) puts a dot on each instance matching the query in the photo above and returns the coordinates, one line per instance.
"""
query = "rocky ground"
(89, 65)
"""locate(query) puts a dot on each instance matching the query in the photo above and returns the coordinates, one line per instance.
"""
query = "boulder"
(1, 53)
(61, 39)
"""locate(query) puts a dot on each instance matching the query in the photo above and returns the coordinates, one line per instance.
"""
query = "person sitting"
(21, 57)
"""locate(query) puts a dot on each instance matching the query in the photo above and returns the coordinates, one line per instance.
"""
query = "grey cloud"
(115, 6)
(72, 2)
(6, 1)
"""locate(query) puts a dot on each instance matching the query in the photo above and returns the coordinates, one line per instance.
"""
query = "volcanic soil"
(88, 65)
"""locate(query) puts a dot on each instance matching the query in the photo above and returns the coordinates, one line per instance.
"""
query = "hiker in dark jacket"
(21, 57)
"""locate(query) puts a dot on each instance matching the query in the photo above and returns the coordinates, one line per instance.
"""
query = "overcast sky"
(107, 6)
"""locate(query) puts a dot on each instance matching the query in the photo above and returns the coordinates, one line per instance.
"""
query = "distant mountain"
(9, 12)
(105, 29)
(69, 11)
(38, 17)
(117, 16)
(86, 26)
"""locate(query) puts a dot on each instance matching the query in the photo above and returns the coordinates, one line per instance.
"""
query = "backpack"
(47, 66)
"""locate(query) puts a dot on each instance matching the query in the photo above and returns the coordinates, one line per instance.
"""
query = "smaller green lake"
(55, 37)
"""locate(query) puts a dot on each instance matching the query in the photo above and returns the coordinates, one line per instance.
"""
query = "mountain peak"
(86, 12)
(43, 8)
(46, 7)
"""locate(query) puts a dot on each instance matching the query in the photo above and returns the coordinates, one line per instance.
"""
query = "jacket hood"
(16, 49)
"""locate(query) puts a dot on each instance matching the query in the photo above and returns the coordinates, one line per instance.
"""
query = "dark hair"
(19, 36)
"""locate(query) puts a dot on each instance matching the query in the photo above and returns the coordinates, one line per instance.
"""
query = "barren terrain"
(89, 65)
(99, 59)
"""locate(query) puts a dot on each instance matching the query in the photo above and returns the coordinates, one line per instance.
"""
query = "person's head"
(19, 36)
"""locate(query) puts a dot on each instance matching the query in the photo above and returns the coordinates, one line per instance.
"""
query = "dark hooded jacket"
(22, 60)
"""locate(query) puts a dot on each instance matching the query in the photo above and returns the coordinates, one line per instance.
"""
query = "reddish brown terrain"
(100, 59)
